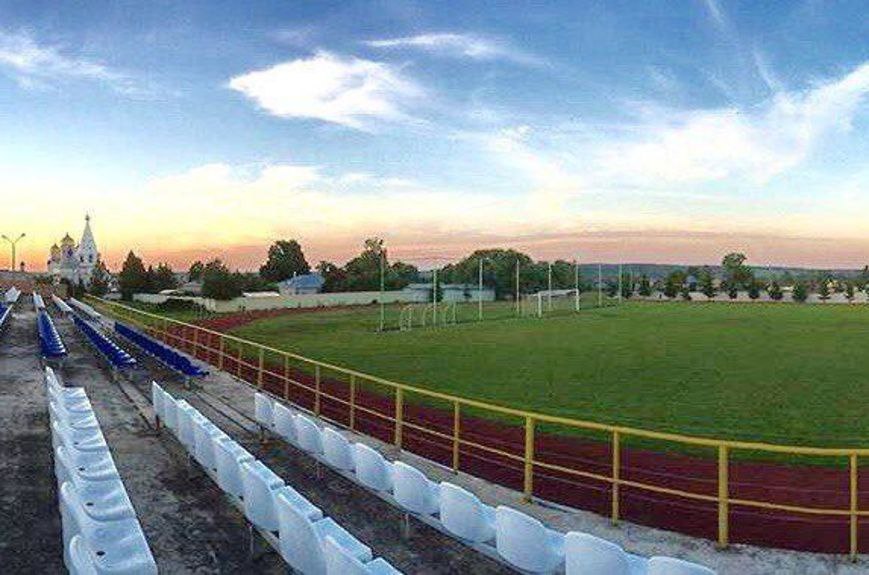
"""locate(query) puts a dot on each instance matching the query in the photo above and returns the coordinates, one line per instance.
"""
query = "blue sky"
(645, 131)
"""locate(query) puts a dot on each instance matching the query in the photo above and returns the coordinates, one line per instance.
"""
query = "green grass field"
(780, 373)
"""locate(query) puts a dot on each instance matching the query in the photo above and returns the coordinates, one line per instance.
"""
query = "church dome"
(67, 241)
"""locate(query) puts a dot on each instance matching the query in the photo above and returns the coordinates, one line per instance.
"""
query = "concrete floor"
(192, 528)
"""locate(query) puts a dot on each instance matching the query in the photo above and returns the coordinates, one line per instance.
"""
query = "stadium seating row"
(85, 309)
(5, 314)
(12, 295)
(38, 302)
(61, 305)
(101, 533)
(167, 355)
(309, 542)
(50, 344)
(503, 532)
(116, 356)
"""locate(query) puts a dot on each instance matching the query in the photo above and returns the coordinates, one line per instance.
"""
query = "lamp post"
(13, 243)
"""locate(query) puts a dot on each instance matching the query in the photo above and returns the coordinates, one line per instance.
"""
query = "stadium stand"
(101, 533)
(503, 533)
(61, 305)
(114, 354)
(50, 344)
(295, 527)
(12, 295)
(167, 355)
(85, 309)
(5, 315)
(38, 302)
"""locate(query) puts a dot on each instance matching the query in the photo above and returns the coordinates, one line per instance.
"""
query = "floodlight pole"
(480, 294)
(576, 280)
(434, 297)
(12, 244)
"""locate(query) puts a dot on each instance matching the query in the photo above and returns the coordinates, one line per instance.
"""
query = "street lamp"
(13, 243)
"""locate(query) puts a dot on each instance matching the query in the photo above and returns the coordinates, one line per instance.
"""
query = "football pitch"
(781, 373)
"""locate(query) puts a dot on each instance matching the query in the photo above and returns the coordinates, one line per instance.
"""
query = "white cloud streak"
(342, 90)
(471, 46)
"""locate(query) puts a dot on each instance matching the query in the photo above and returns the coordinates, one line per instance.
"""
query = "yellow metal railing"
(617, 434)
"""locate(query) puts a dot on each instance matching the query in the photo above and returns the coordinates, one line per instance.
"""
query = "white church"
(75, 262)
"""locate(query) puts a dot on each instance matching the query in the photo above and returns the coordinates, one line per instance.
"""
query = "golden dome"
(67, 241)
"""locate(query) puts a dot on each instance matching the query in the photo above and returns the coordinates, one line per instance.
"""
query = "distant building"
(74, 262)
(453, 292)
(303, 284)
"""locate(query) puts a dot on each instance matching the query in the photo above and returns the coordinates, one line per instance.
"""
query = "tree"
(645, 288)
(754, 289)
(285, 260)
(686, 293)
(801, 292)
(733, 290)
(499, 272)
(218, 282)
(334, 277)
(849, 291)
(673, 283)
(99, 285)
(164, 278)
(627, 287)
(735, 271)
(775, 292)
(133, 277)
(195, 272)
(824, 289)
(707, 283)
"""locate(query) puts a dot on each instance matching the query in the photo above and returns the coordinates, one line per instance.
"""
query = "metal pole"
(518, 304)
(549, 296)
(434, 297)
(13, 244)
(480, 294)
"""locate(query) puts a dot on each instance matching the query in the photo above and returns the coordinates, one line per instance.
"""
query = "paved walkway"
(30, 536)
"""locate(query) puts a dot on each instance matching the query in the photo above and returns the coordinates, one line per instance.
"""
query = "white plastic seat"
(81, 562)
(285, 422)
(302, 540)
(103, 500)
(338, 451)
(72, 398)
(206, 436)
(413, 491)
(157, 395)
(672, 566)
(185, 425)
(340, 562)
(465, 516)
(230, 457)
(525, 543)
(308, 435)
(74, 419)
(264, 411)
(372, 470)
(586, 554)
(260, 484)
(90, 466)
(117, 547)
(170, 412)
(89, 439)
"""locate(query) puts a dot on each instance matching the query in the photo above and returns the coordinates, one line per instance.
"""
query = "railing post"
(399, 415)
(457, 427)
(723, 497)
(238, 363)
(617, 470)
(287, 377)
(854, 505)
(259, 374)
(195, 344)
(317, 389)
(221, 353)
(352, 402)
(529, 458)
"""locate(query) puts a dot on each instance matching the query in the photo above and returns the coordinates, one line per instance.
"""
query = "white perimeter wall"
(291, 301)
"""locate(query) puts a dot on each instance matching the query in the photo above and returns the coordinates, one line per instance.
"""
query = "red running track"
(800, 485)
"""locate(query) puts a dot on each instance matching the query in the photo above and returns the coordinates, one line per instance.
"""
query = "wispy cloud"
(342, 90)
(34, 64)
(472, 46)
(716, 13)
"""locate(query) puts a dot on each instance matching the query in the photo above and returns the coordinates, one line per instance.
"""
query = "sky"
(668, 132)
